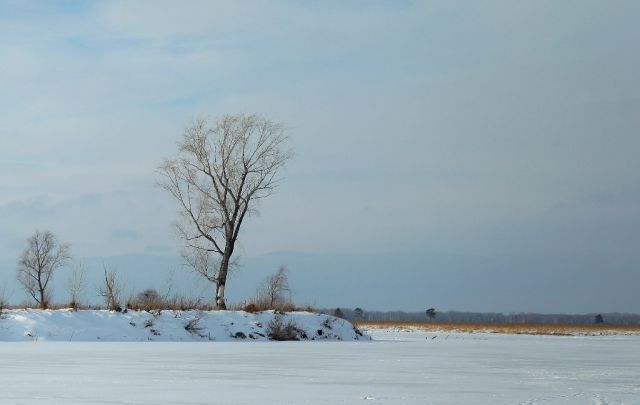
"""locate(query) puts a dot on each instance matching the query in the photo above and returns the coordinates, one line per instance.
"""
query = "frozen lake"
(399, 369)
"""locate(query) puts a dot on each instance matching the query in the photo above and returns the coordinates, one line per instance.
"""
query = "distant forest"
(358, 314)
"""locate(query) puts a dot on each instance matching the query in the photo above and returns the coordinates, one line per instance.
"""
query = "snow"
(167, 326)
(394, 368)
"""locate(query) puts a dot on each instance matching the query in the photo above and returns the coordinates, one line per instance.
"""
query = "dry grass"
(506, 328)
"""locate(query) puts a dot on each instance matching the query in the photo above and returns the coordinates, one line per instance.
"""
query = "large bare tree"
(221, 171)
(42, 257)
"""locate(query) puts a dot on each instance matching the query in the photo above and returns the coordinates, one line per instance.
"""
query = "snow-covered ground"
(167, 326)
(394, 368)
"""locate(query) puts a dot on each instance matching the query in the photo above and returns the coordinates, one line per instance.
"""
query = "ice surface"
(396, 368)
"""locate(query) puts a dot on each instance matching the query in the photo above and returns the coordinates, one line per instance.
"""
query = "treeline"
(358, 314)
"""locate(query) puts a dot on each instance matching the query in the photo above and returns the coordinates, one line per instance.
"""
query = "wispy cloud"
(416, 125)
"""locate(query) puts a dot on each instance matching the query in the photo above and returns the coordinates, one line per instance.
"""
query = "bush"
(277, 329)
(178, 303)
(150, 300)
(251, 308)
(147, 300)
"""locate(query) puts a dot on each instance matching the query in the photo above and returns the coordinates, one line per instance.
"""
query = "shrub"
(151, 301)
(186, 303)
(278, 329)
(251, 308)
(146, 300)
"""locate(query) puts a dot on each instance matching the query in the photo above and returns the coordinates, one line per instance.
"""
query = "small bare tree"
(111, 289)
(77, 284)
(42, 257)
(4, 299)
(275, 292)
(220, 173)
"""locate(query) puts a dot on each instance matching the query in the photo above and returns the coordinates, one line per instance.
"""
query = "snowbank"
(67, 325)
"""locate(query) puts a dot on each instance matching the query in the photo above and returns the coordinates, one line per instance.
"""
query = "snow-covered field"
(394, 368)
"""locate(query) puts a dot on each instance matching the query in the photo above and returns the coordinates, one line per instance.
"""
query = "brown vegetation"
(278, 329)
(506, 328)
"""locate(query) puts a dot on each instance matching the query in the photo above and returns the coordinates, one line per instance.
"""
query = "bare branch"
(42, 257)
(275, 292)
(111, 288)
(77, 284)
(220, 173)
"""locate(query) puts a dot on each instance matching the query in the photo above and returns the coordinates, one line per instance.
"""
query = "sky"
(474, 156)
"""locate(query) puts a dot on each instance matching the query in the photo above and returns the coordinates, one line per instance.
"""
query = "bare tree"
(4, 299)
(42, 257)
(275, 292)
(111, 289)
(77, 284)
(221, 171)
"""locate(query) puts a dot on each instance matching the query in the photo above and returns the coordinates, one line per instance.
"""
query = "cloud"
(159, 249)
(125, 234)
(491, 129)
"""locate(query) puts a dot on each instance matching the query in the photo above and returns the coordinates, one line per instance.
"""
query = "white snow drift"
(67, 325)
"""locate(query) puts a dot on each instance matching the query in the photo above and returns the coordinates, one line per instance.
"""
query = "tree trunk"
(43, 303)
(222, 281)
(220, 296)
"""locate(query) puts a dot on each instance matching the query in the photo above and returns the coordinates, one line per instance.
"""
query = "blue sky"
(486, 142)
